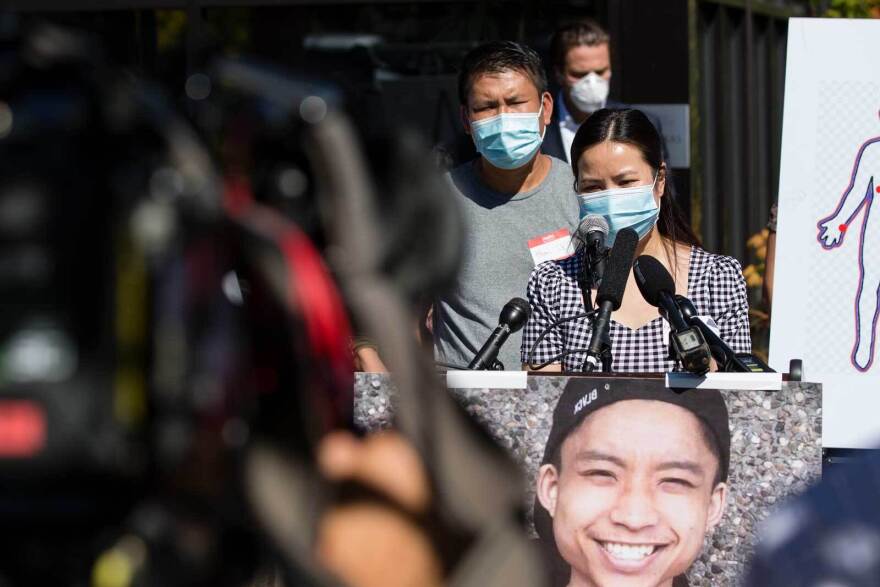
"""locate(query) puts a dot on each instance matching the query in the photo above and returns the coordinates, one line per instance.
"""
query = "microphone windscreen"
(592, 223)
(619, 263)
(515, 314)
(652, 278)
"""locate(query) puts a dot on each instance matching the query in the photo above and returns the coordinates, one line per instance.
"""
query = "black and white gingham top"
(715, 285)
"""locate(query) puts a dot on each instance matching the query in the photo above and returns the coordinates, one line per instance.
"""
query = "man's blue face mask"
(633, 207)
(508, 140)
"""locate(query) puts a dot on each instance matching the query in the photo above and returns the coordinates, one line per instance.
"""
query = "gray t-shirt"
(497, 260)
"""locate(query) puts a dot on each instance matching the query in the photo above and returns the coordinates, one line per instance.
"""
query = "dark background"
(725, 58)
(400, 63)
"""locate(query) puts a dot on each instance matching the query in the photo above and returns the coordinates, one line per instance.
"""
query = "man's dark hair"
(498, 57)
(708, 438)
(583, 32)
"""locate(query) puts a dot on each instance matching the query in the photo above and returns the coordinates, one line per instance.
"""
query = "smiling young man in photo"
(632, 480)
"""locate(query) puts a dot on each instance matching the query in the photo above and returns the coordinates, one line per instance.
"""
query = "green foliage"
(759, 317)
(230, 28)
(847, 8)
(170, 27)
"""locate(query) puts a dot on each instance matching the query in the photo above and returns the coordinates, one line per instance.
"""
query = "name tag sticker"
(551, 246)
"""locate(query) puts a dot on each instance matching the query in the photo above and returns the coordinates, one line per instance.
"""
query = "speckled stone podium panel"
(776, 450)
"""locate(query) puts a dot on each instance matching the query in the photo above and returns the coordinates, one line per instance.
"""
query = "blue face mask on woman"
(508, 140)
(633, 207)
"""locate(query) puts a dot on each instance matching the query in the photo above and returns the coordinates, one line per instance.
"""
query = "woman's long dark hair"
(632, 127)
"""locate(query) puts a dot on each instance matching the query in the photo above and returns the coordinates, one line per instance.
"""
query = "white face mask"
(590, 92)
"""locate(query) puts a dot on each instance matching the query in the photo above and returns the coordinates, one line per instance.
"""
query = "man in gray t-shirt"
(519, 205)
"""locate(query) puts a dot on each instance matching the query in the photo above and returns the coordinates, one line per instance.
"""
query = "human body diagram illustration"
(858, 197)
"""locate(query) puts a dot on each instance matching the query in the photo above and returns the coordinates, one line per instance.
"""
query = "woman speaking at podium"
(620, 176)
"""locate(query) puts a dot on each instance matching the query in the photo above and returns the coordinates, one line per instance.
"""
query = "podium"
(776, 446)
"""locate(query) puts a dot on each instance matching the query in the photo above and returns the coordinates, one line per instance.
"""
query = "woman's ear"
(660, 186)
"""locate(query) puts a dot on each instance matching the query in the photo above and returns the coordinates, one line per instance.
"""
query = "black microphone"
(609, 297)
(688, 310)
(726, 358)
(686, 342)
(513, 316)
(658, 289)
(591, 233)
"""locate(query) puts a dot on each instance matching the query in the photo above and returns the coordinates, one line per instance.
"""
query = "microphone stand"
(585, 276)
(590, 275)
(609, 298)
(604, 354)
(597, 260)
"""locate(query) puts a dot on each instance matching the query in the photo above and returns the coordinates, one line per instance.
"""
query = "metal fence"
(737, 75)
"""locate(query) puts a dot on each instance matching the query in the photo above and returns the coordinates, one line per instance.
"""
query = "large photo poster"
(629, 482)
(825, 306)
(632, 481)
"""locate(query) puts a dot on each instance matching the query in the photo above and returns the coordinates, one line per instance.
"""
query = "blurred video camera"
(174, 328)
(152, 324)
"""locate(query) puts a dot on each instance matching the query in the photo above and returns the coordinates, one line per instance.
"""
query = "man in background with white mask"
(519, 204)
(581, 54)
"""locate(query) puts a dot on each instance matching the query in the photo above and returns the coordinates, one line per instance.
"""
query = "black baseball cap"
(583, 397)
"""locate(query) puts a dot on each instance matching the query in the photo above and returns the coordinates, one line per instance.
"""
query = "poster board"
(775, 448)
(828, 248)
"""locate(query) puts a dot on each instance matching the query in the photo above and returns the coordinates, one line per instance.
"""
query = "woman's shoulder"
(712, 264)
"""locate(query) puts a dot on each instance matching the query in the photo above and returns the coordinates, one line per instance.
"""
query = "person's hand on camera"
(369, 543)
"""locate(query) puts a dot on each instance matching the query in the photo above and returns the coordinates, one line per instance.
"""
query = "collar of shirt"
(567, 126)
(565, 119)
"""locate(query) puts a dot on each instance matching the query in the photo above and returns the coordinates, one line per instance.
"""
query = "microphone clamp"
(689, 347)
